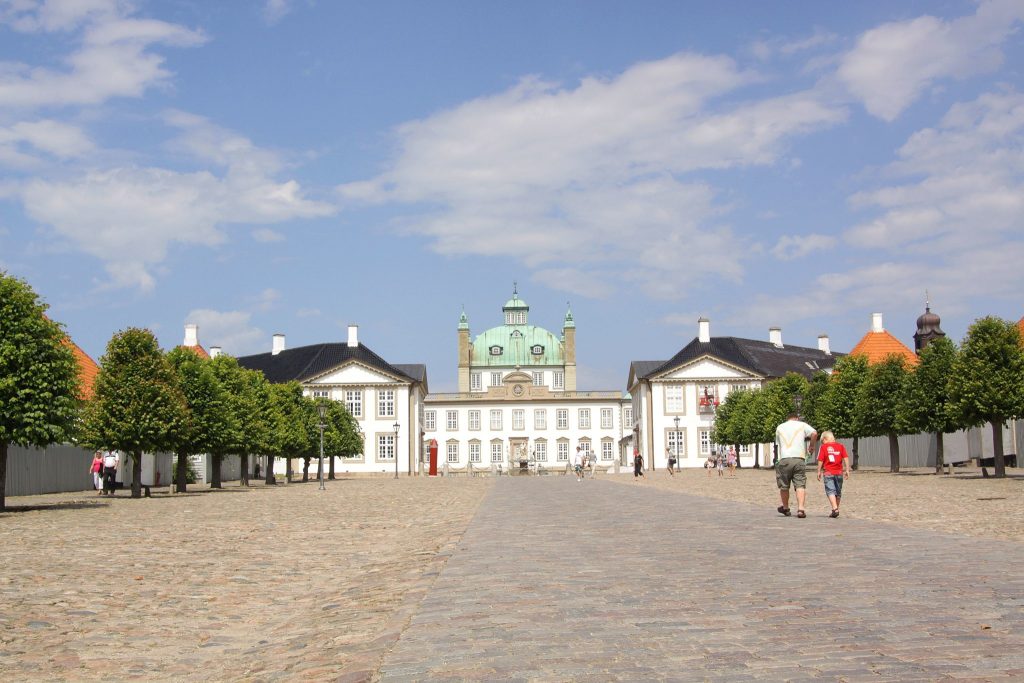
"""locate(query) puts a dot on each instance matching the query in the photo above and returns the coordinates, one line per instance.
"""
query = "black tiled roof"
(417, 371)
(761, 357)
(305, 362)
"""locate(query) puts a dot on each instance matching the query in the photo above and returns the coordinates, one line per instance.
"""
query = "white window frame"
(607, 419)
(744, 449)
(538, 379)
(452, 420)
(495, 379)
(675, 399)
(476, 382)
(385, 403)
(627, 417)
(386, 447)
(704, 438)
(474, 420)
(321, 393)
(558, 381)
(671, 435)
(563, 451)
(585, 447)
(354, 402)
(561, 418)
(497, 452)
(583, 416)
(429, 420)
(518, 419)
(540, 418)
(607, 449)
(452, 448)
(474, 452)
(540, 449)
(495, 419)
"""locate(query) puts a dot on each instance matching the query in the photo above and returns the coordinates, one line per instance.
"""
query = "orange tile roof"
(87, 369)
(878, 346)
(199, 351)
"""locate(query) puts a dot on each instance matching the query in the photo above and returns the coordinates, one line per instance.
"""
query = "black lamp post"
(396, 427)
(676, 420)
(321, 409)
(797, 402)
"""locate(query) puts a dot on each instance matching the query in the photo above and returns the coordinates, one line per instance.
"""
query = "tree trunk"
(330, 468)
(894, 452)
(136, 475)
(3, 475)
(739, 464)
(288, 468)
(305, 468)
(940, 452)
(270, 480)
(997, 448)
(243, 461)
(775, 454)
(856, 453)
(181, 474)
(215, 476)
(757, 456)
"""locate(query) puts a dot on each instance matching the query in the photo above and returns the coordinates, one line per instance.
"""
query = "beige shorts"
(790, 471)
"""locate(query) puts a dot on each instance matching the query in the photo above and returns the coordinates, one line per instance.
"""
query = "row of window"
(707, 396)
(354, 401)
(539, 453)
(540, 419)
(476, 380)
(675, 443)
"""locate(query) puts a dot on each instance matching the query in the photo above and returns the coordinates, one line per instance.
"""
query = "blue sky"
(296, 166)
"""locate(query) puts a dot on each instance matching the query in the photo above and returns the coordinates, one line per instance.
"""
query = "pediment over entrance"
(355, 373)
(707, 367)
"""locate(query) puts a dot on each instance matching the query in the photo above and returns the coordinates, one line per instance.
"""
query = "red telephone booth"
(433, 457)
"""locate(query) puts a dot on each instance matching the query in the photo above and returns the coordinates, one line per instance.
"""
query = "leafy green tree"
(878, 402)
(988, 380)
(727, 420)
(779, 399)
(255, 419)
(212, 427)
(138, 407)
(837, 409)
(288, 436)
(813, 398)
(39, 385)
(341, 438)
(753, 421)
(925, 404)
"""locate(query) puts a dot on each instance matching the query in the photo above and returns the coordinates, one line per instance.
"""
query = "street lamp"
(321, 408)
(797, 402)
(676, 420)
(396, 427)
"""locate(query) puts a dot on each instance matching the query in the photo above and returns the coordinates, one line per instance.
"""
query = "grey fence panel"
(916, 450)
(54, 469)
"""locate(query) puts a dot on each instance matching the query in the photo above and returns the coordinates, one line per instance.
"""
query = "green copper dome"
(515, 302)
(511, 345)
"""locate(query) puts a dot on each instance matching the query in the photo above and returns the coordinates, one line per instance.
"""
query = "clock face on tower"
(517, 389)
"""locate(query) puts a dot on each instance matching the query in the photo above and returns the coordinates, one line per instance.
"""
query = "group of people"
(792, 438)
(104, 471)
(719, 460)
(581, 461)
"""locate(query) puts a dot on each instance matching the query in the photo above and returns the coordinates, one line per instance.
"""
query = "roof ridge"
(316, 355)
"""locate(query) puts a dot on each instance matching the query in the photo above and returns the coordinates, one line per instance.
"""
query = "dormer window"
(537, 350)
(496, 350)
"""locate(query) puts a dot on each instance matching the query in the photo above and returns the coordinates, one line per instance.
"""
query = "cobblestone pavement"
(557, 580)
(259, 584)
(963, 503)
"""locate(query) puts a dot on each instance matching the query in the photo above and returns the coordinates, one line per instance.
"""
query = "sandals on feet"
(784, 511)
(801, 514)
(835, 513)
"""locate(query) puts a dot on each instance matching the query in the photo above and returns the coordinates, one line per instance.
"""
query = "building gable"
(705, 367)
(354, 372)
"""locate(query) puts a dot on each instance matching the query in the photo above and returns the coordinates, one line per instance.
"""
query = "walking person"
(832, 458)
(790, 437)
(96, 469)
(730, 460)
(709, 464)
(671, 461)
(111, 462)
(577, 464)
(638, 463)
(720, 463)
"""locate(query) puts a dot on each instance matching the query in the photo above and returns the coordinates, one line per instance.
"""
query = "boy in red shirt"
(833, 460)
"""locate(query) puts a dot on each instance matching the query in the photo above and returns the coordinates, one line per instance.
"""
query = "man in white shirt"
(790, 436)
(577, 464)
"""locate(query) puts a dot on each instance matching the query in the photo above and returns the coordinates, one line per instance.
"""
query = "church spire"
(569, 321)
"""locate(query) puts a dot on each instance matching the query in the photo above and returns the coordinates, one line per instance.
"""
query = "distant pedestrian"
(96, 469)
(111, 462)
(790, 438)
(833, 460)
(720, 463)
(577, 464)
(638, 463)
(709, 465)
(671, 461)
(730, 460)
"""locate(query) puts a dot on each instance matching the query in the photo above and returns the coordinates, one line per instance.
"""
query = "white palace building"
(517, 406)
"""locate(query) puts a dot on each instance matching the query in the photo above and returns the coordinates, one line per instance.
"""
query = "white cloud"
(275, 10)
(267, 299)
(586, 183)
(267, 235)
(113, 59)
(129, 216)
(772, 47)
(790, 247)
(233, 331)
(892, 64)
(57, 139)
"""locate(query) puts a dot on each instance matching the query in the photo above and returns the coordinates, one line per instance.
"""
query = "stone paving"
(609, 580)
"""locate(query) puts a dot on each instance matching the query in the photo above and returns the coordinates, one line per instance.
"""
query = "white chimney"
(278, 346)
(215, 351)
(823, 344)
(876, 323)
(353, 336)
(191, 335)
(703, 330)
(775, 336)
